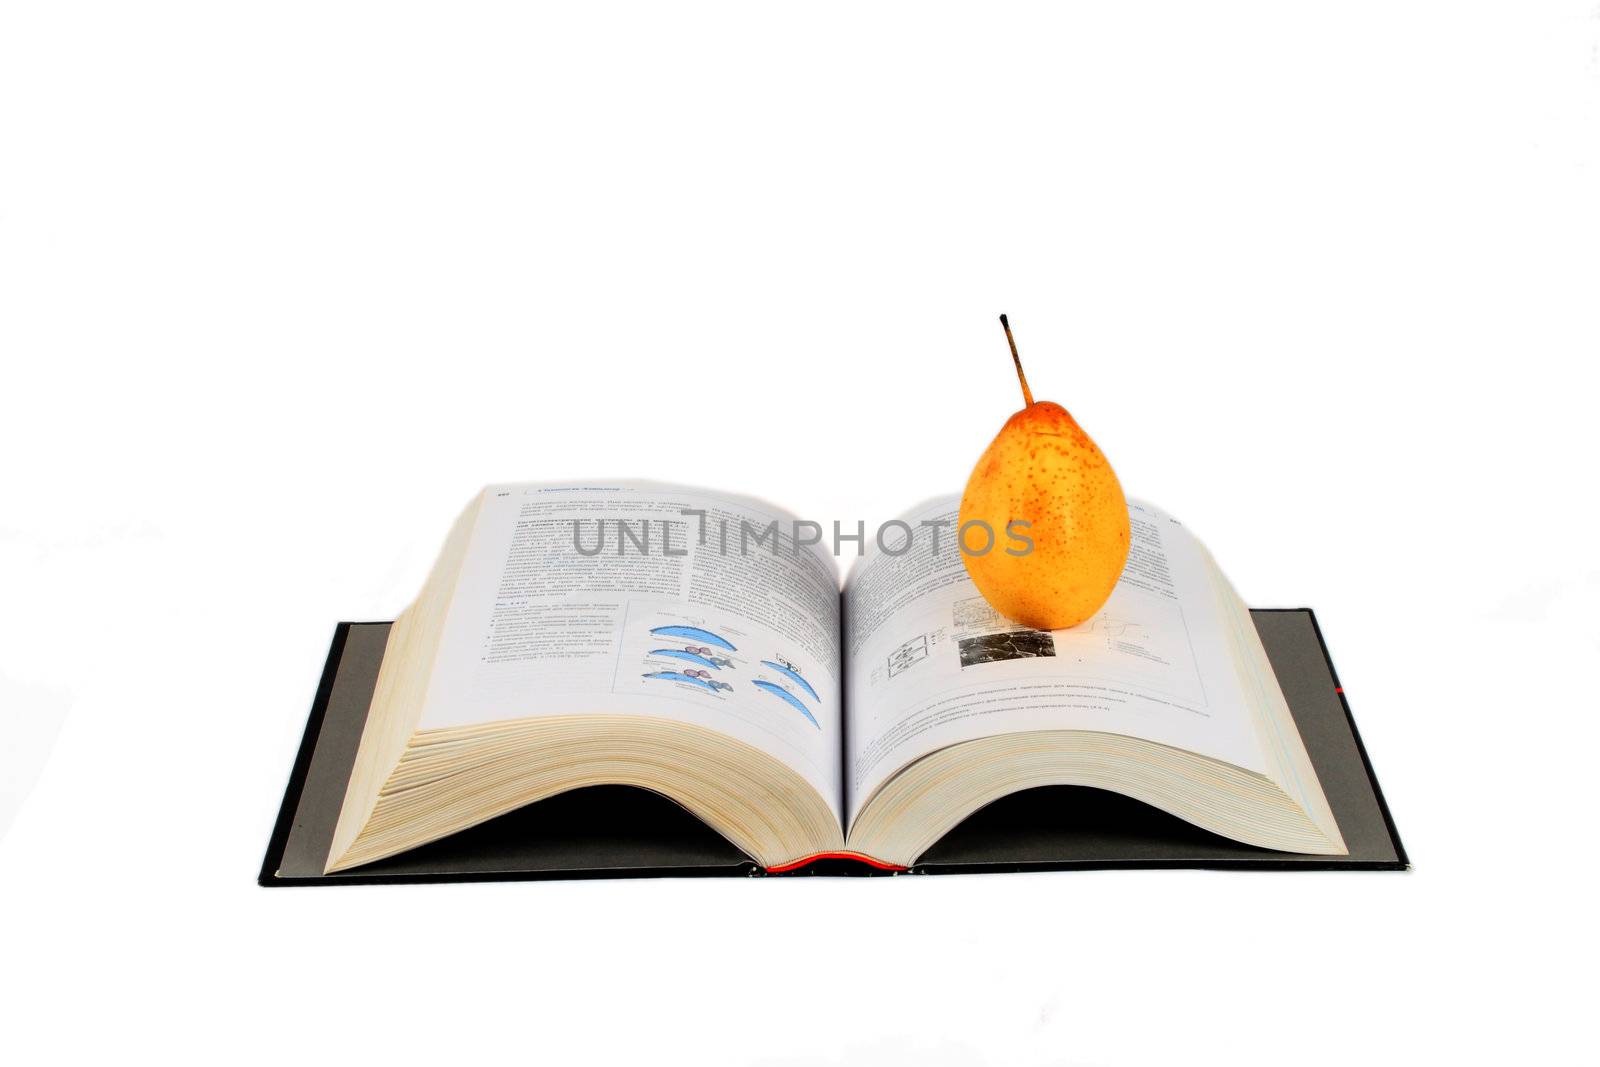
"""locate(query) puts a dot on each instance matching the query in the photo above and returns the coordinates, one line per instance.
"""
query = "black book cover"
(623, 832)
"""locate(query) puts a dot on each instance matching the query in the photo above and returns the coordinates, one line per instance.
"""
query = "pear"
(1044, 471)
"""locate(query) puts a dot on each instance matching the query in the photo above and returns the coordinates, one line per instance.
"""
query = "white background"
(281, 285)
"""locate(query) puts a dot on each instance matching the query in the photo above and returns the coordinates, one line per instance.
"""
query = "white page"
(535, 628)
(931, 664)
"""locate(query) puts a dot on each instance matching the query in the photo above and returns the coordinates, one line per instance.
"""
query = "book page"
(931, 664)
(638, 599)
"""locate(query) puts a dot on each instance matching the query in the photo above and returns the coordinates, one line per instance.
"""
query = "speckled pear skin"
(1042, 468)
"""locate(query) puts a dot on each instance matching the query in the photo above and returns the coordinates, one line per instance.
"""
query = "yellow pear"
(1042, 479)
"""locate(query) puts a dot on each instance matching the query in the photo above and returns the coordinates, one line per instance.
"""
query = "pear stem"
(1027, 394)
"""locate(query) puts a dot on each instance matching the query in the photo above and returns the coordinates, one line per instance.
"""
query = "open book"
(697, 644)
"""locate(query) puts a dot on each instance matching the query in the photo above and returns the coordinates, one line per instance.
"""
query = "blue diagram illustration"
(694, 633)
(788, 697)
(701, 656)
(699, 678)
(791, 672)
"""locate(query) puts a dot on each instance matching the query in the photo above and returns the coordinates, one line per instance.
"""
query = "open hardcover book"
(697, 644)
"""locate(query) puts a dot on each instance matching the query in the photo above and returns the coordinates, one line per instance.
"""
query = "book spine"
(857, 856)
